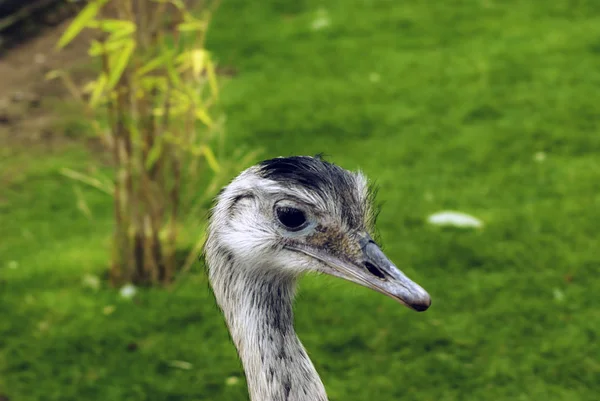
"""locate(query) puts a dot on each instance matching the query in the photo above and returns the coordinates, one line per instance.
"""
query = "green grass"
(445, 104)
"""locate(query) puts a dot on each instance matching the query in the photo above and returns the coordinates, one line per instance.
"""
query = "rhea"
(276, 221)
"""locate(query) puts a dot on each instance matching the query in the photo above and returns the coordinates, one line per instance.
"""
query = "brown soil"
(28, 101)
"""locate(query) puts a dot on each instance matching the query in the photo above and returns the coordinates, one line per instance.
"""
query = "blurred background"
(111, 114)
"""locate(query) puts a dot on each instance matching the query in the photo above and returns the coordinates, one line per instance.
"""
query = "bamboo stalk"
(156, 174)
(119, 240)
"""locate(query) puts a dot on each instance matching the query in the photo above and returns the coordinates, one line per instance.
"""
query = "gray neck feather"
(258, 312)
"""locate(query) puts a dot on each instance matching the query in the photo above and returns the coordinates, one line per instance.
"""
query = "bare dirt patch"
(28, 101)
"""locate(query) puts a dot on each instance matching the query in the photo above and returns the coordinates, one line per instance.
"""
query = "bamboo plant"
(152, 105)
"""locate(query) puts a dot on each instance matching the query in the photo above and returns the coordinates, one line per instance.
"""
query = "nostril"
(374, 270)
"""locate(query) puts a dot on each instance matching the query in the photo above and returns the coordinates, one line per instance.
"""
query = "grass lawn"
(488, 107)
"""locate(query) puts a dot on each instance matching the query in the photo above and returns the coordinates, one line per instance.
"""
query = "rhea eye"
(293, 219)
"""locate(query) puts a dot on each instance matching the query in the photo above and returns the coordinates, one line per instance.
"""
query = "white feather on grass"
(454, 219)
(128, 291)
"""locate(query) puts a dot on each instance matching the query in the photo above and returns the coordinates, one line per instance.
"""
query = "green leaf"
(106, 187)
(119, 62)
(203, 116)
(119, 26)
(53, 74)
(136, 136)
(149, 83)
(99, 86)
(96, 48)
(172, 72)
(212, 77)
(198, 58)
(81, 203)
(211, 159)
(119, 30)
(154, 154)
(153, 64)
(192, 26)
(82, 20)
(167, 136)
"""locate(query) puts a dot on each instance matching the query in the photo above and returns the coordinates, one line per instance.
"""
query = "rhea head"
(289, 216)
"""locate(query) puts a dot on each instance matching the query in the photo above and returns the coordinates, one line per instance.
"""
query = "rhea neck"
(257, 304)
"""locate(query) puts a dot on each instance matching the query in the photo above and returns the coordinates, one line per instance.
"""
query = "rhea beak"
(375, 271)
